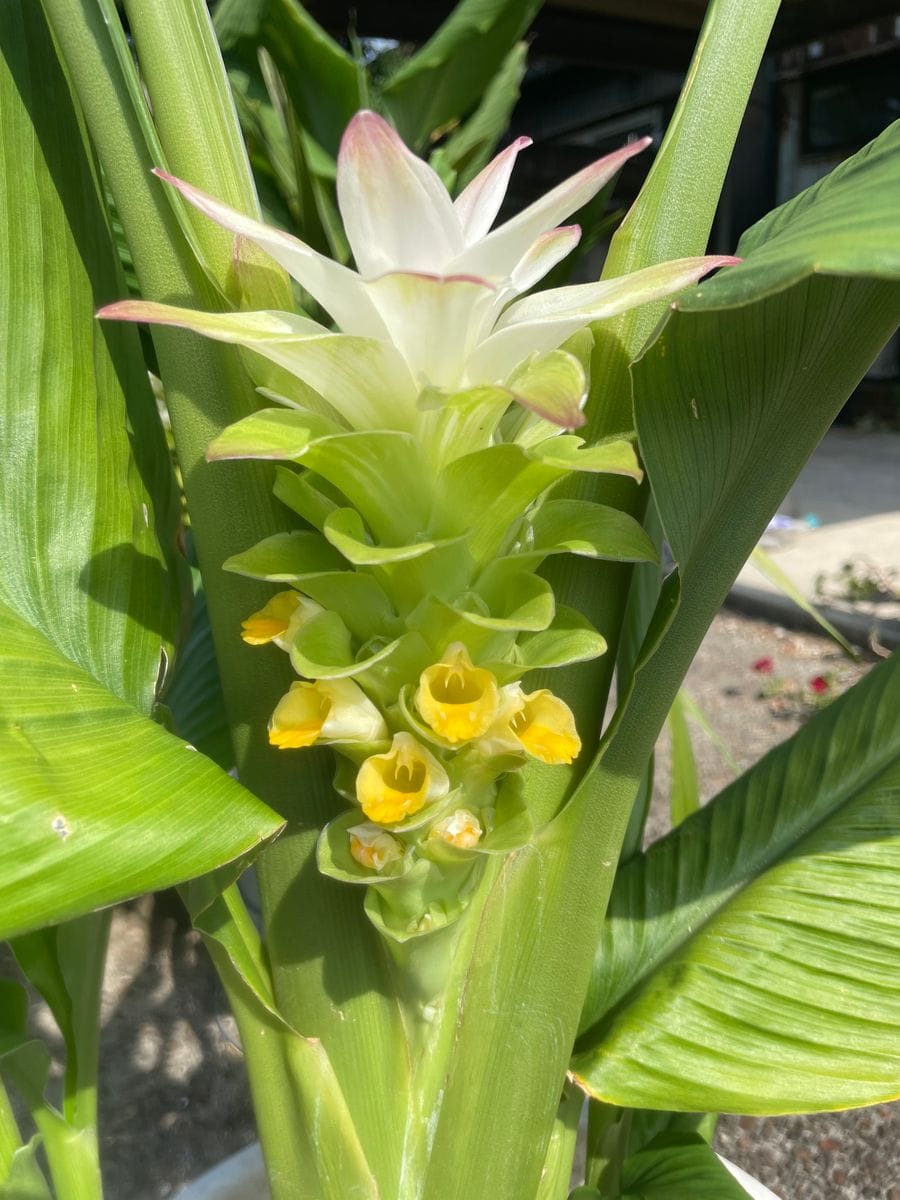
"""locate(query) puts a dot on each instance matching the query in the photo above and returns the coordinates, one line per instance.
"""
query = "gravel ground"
(173, 1097)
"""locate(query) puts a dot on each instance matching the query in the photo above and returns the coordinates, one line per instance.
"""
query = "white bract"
(433, 303)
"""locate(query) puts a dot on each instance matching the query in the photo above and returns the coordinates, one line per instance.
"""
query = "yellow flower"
(373, 848)
(279, 620)
(462, 829)
(326, 711)
(539, 723)
(399, 783)
(458, 700)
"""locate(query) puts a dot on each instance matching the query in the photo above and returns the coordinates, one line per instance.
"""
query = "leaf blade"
(775, 947)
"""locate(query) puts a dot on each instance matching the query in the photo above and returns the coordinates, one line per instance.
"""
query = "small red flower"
(765, 666)
(819, 684)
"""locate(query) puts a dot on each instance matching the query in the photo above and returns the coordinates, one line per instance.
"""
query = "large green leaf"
(78, 506)
(679, 1166)
(846, 224)
(89, 808)
(452, 70)
(98, 803)
(751, 959)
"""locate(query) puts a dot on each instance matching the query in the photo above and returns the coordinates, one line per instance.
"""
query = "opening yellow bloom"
(272, 620)
(545, 727)
(397, 784)
(457, 699)
(373, 848)
(327, 710)
(462, 829)
(279, 620)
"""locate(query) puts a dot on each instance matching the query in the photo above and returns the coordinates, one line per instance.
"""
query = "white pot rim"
(240, 1177)
(750, 1185)
(243, 1177)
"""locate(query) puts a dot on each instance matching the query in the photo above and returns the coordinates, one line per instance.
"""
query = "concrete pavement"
(837, 537)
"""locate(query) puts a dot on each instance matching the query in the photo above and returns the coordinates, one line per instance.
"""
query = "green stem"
(609, 1129)
(10, 1137)
(557, 1172)
(180, 61)
(71, 1156)
(86, 943)
(266, 1054)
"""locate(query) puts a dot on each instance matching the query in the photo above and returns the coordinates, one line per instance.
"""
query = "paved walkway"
(837, 538)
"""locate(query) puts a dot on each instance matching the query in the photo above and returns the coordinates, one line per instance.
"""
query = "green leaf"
(284, 1067)
(452, 70)
(90, 804)
(613, 456)
(97, 802)
(485, 491)
(272, 433)
(87, 475)
(25, 1180)
(591, 530)
(768, 567)
(471, 145)
(738, 398)
(297, 490)
(750, 958)
(684, 790)
(346, 530)
(320, 77)
(570, 638)
(195, 698)
(286, 557)
(357, 598)
(66, 963)
(553, 386)
(846, 224)
(678, 1167)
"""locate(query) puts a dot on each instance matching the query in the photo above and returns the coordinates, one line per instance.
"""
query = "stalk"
(206, 389)
(86, 944)
(10, 1137)
(557, 891)
(71, 1156)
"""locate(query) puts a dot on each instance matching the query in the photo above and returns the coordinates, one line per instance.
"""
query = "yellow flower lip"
(399, 783)
(299, 717)
(545, 727)
(461, 829)
(272, 620)
(539, 723)
(457, 699)
(280, 620)
(373, 848)
(328, 711)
